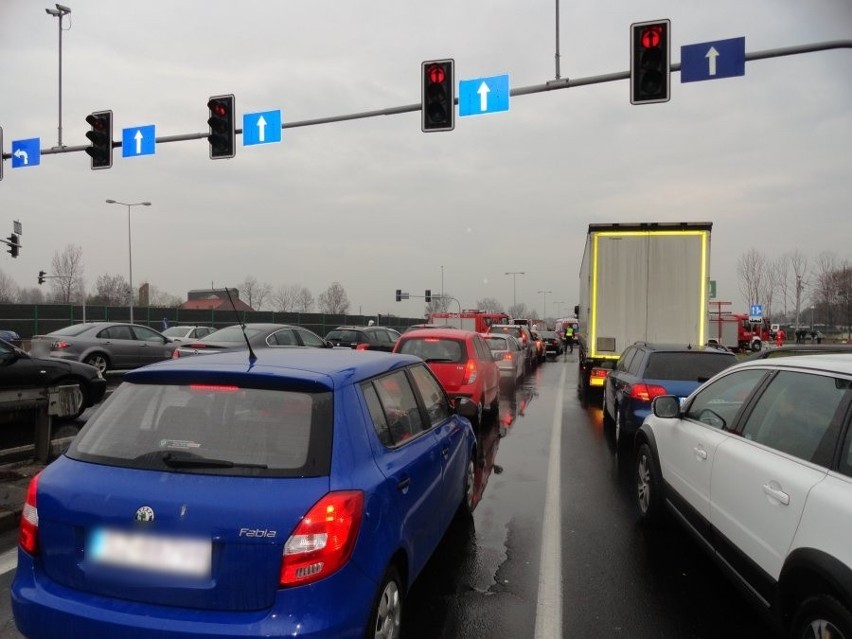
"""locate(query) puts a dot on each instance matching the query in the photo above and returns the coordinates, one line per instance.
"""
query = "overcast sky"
(378, 205)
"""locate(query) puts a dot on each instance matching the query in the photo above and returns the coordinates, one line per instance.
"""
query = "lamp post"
(545, 305)
(59, 12)
(514, 275)
(129, 246)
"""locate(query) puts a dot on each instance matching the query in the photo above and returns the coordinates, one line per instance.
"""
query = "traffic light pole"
(551, 85)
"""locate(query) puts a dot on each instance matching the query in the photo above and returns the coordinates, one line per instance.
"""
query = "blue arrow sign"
(138, 140)
(26, 153)
(712, 60)
(484, 95)
(261, 128)
(756, 310)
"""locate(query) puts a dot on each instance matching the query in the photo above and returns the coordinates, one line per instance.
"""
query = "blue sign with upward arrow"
(484, 95)
(26, 153)
(138, 140)
(261, 128)
(712, 60)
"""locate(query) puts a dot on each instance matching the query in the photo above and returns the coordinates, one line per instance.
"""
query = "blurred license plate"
(144, 551)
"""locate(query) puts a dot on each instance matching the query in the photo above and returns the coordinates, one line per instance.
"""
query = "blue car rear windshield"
(211, 429)
(693, 367)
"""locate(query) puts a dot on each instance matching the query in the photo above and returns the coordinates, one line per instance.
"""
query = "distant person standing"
(569, 337)
(779, 337)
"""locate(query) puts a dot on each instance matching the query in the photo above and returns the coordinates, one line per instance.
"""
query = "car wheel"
(649, 496)
(619, 425)
(608, 421)
(78, 404)
(386, 616)
(468, 502)
(822, 616)
(99, 361)
(756, 345)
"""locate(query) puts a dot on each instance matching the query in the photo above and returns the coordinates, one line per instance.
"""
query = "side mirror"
(667, 406)
(466, 408)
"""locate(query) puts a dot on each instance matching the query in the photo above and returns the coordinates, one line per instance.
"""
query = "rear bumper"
(337, 606)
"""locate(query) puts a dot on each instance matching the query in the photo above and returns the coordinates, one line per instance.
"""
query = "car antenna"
(252, 356)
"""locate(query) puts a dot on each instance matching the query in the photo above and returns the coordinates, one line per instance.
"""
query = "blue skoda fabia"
(295, 495)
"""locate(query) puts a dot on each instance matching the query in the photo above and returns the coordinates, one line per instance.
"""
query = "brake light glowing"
(470, 372)
(646, 392)
(216, 388)
(323, 541)
(28, 531)
(362, 347)
(175, 354)
(58, 346)
(507, 356)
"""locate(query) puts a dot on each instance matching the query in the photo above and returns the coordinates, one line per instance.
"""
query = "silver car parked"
(105, 345)
(509, 355)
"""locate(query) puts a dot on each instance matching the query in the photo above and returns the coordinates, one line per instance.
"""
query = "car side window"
(433, 396)
(308, 338)
(400, 406)
(145, 334)
(846, 455)
(636, 361)
(717, 405)
(377, 414)
(482, 351)
(795, 415)
(284, 337)
(116, 332)
(624, 361)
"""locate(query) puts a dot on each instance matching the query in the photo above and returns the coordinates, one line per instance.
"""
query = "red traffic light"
(218, 108)
(652, 36)
(436, 74)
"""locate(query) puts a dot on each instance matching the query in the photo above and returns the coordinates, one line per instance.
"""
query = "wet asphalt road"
(617, 578)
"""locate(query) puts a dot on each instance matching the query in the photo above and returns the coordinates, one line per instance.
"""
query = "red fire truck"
(470, 319)
(738, 331)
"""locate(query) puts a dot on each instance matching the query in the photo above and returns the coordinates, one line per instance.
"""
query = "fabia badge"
(144, 515)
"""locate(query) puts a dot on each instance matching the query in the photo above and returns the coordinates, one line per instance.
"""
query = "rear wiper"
(190, 460)
(439, 359)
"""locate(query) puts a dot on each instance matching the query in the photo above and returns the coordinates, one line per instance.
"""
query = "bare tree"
(162, 299)
(489, 304)
(8, 289)
(67, 281)
(799, 267)
(110, 290)
(518, 310)
(304, 300)
(438, 304)
(254, 293)
(751, 271)
(780, 269)
(31, 296)
(824, 293)
(284, 297)
(334, 300)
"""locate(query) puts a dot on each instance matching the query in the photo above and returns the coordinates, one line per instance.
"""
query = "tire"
(649, 486)
(618, 421)
(99, 361)
(756, 345)
(468, 501)
(80, 397)
(386, 615)
(822, 616)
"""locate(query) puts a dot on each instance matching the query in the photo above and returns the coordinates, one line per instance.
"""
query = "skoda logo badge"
(144, 515)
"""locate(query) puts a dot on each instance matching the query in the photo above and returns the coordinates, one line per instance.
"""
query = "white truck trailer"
(640, 282)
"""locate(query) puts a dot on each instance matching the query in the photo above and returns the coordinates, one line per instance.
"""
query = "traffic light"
(14, 246)
(437, 96)
(650, 62)
(428, 296)
(41, 275)
(101, 138)
(399, 295)
(223, 127)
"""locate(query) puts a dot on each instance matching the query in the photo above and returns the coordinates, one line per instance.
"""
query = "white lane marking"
(8, 561)
(548, 617)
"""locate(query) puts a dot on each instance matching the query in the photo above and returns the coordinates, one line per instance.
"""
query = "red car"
(461, 360)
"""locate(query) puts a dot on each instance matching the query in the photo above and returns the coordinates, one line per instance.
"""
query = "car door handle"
(777, 493)
(404, 484)
(445, 452)
(700, 453)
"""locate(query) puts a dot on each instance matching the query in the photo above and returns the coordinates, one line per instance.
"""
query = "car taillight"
(362, 347)
(470, 372)
(507, 356)
(28, 531)
(323, 541)
(58, 346)
(646, 392)
(175, 354)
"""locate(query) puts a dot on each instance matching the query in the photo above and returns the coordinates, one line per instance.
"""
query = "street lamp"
(514, 279)
(59, 12)
(129, 246)
(545, 304)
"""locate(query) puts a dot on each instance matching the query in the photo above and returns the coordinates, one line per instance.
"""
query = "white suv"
(757, 464)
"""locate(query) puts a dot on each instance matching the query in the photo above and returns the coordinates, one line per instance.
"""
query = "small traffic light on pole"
(101, 138)
(14, 245)
(437, 96)
(428, 296)
(399, 295)
(223, 127)
(41, 275)
(650, 62)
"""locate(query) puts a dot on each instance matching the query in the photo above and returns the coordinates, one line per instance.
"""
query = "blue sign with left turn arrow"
(484, 95)
(26, 153)
(138, 140)
(261, 128)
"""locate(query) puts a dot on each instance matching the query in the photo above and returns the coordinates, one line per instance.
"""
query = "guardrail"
(46, 403)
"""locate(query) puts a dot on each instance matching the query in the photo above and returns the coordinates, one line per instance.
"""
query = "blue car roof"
(329, 368)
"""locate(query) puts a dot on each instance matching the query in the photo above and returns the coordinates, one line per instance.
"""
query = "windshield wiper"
(191, 460)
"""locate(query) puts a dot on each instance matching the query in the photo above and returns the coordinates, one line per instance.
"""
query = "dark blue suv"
(645, 371)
